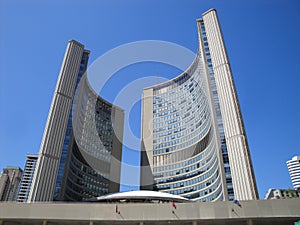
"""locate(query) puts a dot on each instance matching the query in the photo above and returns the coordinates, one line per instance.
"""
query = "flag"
(174, 205)
(237, 203)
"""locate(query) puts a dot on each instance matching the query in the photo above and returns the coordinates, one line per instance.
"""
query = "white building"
(27, 176)
(294, 169)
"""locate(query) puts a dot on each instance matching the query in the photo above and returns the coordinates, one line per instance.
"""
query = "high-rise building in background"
(282, 193)
(81, 148)
(193, 137)
(27, 177)
(294, 170)
(9, 183)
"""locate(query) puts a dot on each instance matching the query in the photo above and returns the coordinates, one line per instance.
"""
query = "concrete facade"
(243, 179)
(266, 212)
(44, 180)
(9, 183)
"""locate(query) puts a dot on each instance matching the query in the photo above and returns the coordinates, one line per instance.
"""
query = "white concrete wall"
(281, 211)
(238, 151)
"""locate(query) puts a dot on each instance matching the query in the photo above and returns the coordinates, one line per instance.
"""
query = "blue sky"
(262, 40)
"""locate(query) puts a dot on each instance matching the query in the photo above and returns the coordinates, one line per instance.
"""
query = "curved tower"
(193, 138)
(81, 148)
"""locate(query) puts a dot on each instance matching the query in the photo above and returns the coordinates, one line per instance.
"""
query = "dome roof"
(140, 196)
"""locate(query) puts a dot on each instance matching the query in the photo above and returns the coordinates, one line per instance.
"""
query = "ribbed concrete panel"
(242, 186)
(115, 164)
(147, 122)
(238, 152)
(56, 127)
(66, 84)
(147, 140)
(230, 112)
(51, 147)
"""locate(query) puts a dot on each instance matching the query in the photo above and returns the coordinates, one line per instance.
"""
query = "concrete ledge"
(279, 211)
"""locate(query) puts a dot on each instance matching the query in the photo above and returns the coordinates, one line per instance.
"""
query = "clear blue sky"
(262, 40)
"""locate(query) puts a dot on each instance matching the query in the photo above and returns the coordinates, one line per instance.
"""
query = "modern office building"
(294, 170)
(81, 148)
(193, 137)
(27, 177)
(9, 183)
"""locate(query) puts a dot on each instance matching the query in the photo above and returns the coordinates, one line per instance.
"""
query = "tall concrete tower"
(80, 151)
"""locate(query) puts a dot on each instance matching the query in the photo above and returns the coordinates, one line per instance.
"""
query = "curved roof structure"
(140, 196)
